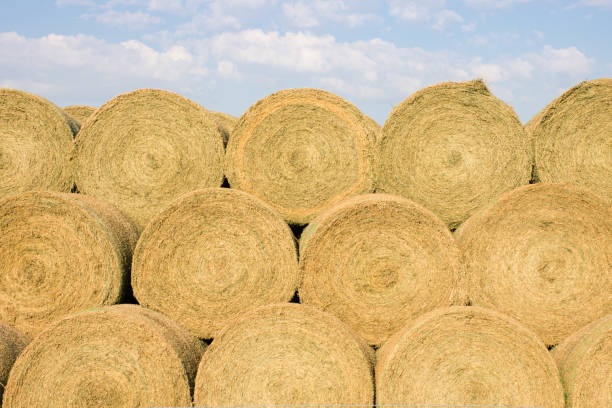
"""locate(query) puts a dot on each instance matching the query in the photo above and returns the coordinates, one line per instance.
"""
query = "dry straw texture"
(61, 253)
(35, 141)
(80, 113)
(143, 149)
(378, 261)
(585, 362)
(302, 151)
(542, 254)
(453, 148)
(11, 344)
(226, 124)
(573, 138)
(467, 357)
(289, 355)
(210, 256)
(117, 356)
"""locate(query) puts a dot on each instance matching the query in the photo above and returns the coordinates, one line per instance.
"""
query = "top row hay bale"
(115, 356)
(302, 151)
(453, 147)
(143, 149)
(35, 141)
(80, 113)
(572, 138)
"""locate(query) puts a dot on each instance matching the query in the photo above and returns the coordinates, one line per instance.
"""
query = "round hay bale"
(466, 357)
(143, 149)
(61, 253)
(453, 147)
(302, 151)
(35, 142)
(285, 355)
(585, 362)
(226, 124)
(210, 256)
(11, 344)
(378, 261)
(116, 356)
(80, 113)
(573, 138)
(543, 255)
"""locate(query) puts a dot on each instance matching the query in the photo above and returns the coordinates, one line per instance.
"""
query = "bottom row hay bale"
(11, 344)
(287, 355)
(117, 356)
(542, 254)
(61, 253)
(585, 362)
(466, 357)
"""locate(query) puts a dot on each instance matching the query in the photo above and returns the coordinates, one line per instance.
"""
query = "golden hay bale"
(11, 344)
(116, 356)
(285, 355)
(80, 113)
(226, 124)
(378, 261)
(453, 147)
(542, 254)
(302, 151)
(211, 255)
(573, 138)
(466, 357)
(143, 149)
(61, 253)
(585, 362)
(35, 141)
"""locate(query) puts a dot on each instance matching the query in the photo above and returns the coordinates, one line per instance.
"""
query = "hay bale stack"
(542, 254)
(116, 356)
(226, 124)
(453, 147)
(11, 344)
(80, 113)
(302, 151)
(285, 355)
(61, 253)
(573, 138)
(466, 357)
(35, 141)
(210, 256)
(143, 149)
(378, 261)
(585, 363)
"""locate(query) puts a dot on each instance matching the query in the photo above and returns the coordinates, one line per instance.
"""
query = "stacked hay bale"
(572, 138)
(466, 356)
(80, 113)
(378, 261)
(285, 355)
(226, 124)
(543, 255)
(143, 149)
(61, 253)
(453, 147)
(11, 344)
(212, 255)
(35, 141)
(116, 356)
(302, 151)
(585, 362)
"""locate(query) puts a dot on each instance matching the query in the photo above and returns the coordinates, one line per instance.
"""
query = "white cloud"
(305, 14)
(125, 19)
(596, 3)
(165, 5)
(446, 17)
(569, 61)
(300, 14)
(78, 3)
(468, 28)
(415, 10)
(228, 70)
(493, 4)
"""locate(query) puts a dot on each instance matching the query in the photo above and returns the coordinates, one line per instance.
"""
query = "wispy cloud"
(125, 19)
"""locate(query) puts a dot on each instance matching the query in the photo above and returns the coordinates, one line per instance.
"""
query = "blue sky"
(228, 54)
